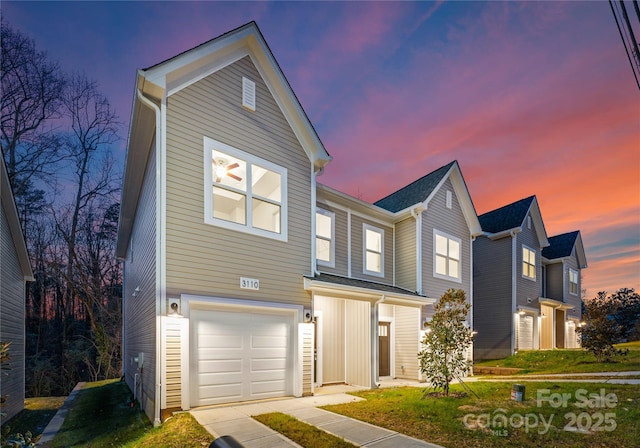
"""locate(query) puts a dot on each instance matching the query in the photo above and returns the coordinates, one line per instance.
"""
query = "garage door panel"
(222, 366)
(240, 356)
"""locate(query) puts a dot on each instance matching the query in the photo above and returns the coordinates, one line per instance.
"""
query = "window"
(373, 246)
(528, 263)
(573, 282)
(244, 192)
(446, 256)
(325, 235)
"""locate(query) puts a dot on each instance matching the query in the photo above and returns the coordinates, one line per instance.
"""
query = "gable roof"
(416, 192)
(561, 246)
(511, 217)
(420, 192)
(7, 202)
(161, 80)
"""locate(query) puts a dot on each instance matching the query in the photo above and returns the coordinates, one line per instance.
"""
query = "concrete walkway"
(56, 422)
(236, 421)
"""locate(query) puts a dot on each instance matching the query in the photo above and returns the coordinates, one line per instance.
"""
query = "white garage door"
(571, 340)
(525, 333)
(239, 356)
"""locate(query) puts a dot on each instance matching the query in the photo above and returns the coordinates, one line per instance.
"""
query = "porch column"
(375, 321)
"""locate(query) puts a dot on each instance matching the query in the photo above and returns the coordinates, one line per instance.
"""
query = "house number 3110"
(249, 283)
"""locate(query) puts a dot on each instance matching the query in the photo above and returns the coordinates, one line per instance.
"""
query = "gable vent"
(449, 199)
(248, 94)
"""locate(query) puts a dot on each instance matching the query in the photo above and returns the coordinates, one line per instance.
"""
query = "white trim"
(250, 159)
(379, 231)
(332, 248)
(418, 217)
(373, 219)
(535, 263)
(571, 270)
(317, 380)
(514, 258)
(457, 279)
(314, 207)
(349, 257)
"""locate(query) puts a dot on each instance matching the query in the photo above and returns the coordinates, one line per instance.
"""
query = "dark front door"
(384, 349)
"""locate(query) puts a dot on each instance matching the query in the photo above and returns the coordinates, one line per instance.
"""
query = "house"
(562, 264)
(15, 271)
(522, 280)
(240, 269)
(401, 253)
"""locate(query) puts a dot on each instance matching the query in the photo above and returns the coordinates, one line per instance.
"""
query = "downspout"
(513, 289)
(375, 384)
(158, 383)
(418, 218)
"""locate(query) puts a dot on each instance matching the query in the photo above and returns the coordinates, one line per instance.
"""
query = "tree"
(4, 365)
(608, 320)
(447, 340)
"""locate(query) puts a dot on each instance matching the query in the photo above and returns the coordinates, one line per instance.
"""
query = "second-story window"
(373, 250)
(325, 237)
(244, 192)
(447, 255)
(528, 263)
(573, 281)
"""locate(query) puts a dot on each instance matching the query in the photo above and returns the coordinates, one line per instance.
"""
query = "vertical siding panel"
(333, 349)
(140, 310)
(306, 346)
(407, 343)
(358, 341)
(12, 327)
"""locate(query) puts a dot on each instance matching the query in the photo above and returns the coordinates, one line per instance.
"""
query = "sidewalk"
(236, 421)
(56, 422)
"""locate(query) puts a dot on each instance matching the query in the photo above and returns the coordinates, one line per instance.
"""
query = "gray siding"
(341, 242)
(492, 316)
(526, 288)
(357, 250)
(140, 310)
(12, 304)
(208, 260)
(452, 222)
(406, 254)
(572, 299)
(554, 281)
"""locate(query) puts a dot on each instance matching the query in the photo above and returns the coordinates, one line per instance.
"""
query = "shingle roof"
(560, 245)
(507, 217)
(415, 192)
(339, 280)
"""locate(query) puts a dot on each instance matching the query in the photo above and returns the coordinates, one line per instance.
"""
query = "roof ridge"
(418, 180)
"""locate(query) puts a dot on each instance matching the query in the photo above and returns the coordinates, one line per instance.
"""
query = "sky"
(529, 97)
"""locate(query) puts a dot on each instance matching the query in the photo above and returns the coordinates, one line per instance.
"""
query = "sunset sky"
(530, 98)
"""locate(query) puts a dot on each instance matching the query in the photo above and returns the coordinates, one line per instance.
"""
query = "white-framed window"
(325, 237)
(573, 282)
(528, 262)
(373, 245)
(243, 192)
(447, 256)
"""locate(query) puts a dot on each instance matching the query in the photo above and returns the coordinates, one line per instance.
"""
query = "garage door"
(239, 356)
(525, 333)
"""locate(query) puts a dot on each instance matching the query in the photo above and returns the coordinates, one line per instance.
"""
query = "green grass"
(441, 420)
(633, 345)
(101, 417)
(34, 417)
(567, 361)
(306, 435)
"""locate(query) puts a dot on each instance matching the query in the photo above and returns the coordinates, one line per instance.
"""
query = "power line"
(631, 37)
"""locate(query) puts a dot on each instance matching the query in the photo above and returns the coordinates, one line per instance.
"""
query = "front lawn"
(302, 433)
(453, 422)
(567, 361)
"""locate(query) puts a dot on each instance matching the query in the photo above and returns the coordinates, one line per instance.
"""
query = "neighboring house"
(526, 285)
(15, 270)
(562, 264)
(507, 278)
(391, 259)
(221, 225)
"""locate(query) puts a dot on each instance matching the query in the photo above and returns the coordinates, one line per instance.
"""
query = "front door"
(384, 349)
